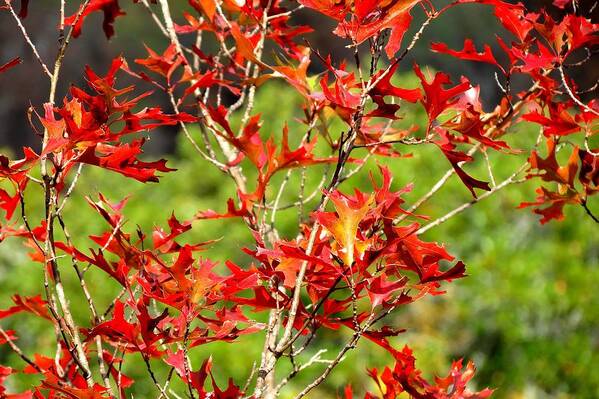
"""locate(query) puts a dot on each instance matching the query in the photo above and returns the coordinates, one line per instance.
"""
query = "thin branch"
(297, 369)
(70, 189)
(248, 381)
(489, 168)
(588, 211)
(463, 207)
(571, 93)
(18, 351)
(155, 18)
(27, 38)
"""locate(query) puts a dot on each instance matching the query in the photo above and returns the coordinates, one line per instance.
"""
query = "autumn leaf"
(343, 224)
(123, 159)
(469, 53)
(513, 18)
(400, 26)
(10, 64)
(207, 7)
(549, 170)
(163, 64)
(384, 88)
(35, 305)
(437, 99)
(456, 158)
(111, 11)
(560, 121)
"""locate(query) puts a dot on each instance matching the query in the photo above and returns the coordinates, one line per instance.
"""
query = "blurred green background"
(527, 314)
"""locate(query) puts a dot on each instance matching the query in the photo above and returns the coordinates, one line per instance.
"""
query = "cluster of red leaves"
(389, 269)
(404, 377)
(567, 114)
(356, 263)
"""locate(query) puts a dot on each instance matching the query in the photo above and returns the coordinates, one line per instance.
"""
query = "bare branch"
(463, 207)
(27, 38)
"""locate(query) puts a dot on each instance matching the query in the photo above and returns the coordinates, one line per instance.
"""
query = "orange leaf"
(344, 224)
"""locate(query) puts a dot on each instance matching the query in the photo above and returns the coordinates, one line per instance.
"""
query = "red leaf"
(23, 11)
(35, 305)
(123, 159)
(513, 18)
(380, 289)
(437, 98)
(560, 122)
(164, 64)
(457, 157)
(245, 47)
(469, 123)
(400, 27)
(468, 53)
(111, 11)
(385, 88)
(371, 17)
(534, 62)
(10, 64)
(207, 7)
(343, 225)
(549, 170)
(331, 8)
(231, 212)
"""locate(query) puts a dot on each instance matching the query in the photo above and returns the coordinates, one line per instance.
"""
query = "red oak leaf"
(207, 7)
(437, 99)
(514, 18)
(456, 158)
(549, 170)
(400, 27)
(10, 64)
(385, 88)
(560, 121)
(35, 305)
(534, 62)
(468, 53)
(470, 124)
(123, 159)
(232, 212)
(369, 18)
(343, 224)
(380, 289)
(164, 64)
(24, 8)
(111, 11)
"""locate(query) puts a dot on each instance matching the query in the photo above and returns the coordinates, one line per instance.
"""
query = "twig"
(588, 211)
(297, 369)
(489, 169)
(18, 351)
(250, 378)
(571, 93)
(27, 38)
(155, 17)
(70, 189)
(463, 207)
